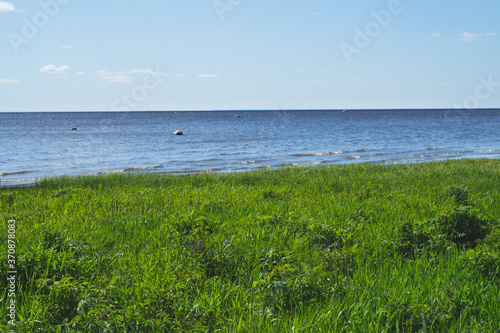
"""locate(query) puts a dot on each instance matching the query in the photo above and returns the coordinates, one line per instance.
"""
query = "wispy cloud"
(122, 76)
(467, 36)
(80, 73)
(10, 81)
(435, 35)
(65, 46)
(141, 71)
(208, 76)
(7, 7)
(114, 77)
(51, 69)
(181, 75)
(302, 70)
(325, 70)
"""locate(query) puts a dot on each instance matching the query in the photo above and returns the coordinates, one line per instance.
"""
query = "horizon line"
(257, 110)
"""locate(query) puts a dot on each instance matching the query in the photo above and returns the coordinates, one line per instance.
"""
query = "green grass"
(353, 248)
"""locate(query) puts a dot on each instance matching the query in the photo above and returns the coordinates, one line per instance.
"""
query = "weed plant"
(348, 248)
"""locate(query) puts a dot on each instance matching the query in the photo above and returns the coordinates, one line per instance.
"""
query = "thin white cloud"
(114, 77)
(123, 76)
(435, 35)
(80, 73)
(118, 79)
(10, 81)
(102, 72)
(468, 36)
(51, 69)
(181, 75)
(7, 7)
(303, 70)
(444, 83)
(324, 70)
(358, 79)
(141, 71)
(65, 46)
(208, 76)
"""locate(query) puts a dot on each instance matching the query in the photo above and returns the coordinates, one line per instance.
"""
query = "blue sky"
(69, 55)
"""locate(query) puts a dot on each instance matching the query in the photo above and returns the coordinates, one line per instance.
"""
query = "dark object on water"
(73, 129)
(178, 132)
(237, 116)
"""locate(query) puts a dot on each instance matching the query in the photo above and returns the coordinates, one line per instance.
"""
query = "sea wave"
(466, 152)
(193, 171)
(117, 171)
(303, 163)
(246, 162)
(403, 159)
(12, 181)
(3, 174)
(319, 154)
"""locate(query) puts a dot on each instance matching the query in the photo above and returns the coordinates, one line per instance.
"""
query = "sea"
(38, 145)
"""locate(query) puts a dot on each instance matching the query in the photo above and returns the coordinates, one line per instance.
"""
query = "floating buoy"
(178, 132)
(73, 128)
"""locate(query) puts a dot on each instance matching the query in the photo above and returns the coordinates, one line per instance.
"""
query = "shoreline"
(146, 170)
(355, 159)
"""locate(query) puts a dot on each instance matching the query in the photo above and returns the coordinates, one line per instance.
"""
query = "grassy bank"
(355, 248)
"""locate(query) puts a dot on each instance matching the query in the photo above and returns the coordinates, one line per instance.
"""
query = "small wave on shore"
(303, 163)
(117, 171)
(466, 152)
(319, 154)
(3, 174)
(403, 159)
(246, 162)
(193, 171)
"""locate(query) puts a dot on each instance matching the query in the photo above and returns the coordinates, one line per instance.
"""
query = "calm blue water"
(37, 145)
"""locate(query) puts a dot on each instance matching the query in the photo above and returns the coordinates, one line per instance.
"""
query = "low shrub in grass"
(191, 228)
(223, 260)
(461, 226)
(413, 238)
(287, 288)
(460, 195)
(484, 260)
(327, 237)
(492, 240)
(7, 200)
(56, 271)
(435, 315)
